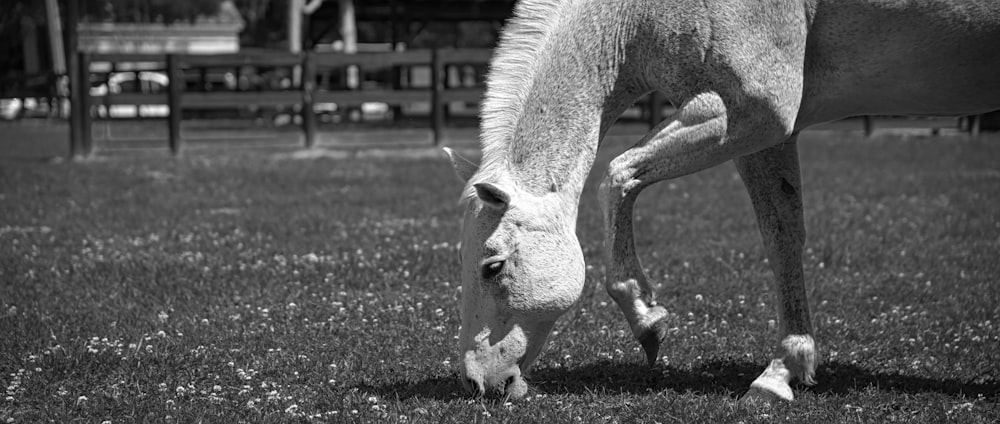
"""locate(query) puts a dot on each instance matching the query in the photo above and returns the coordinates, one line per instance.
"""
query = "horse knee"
(619, 180)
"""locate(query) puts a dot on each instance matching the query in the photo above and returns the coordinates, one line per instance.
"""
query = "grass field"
(270, 287)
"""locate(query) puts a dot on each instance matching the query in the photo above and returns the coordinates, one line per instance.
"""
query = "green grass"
(251, 286)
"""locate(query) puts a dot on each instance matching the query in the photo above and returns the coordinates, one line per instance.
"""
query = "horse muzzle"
(507, 384)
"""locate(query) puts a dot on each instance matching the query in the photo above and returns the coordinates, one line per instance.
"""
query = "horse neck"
(547, 136)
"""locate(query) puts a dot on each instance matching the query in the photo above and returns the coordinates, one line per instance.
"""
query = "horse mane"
(510, 78)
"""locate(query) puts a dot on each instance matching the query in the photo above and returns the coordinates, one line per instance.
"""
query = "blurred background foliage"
(265, 24)
(148, 11)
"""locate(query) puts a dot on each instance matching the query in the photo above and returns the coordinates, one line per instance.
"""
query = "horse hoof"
(652, 338)
(761, 394)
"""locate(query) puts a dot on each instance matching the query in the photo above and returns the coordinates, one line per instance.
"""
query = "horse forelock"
(511, 75)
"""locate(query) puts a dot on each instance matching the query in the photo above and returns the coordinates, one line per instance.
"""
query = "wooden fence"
(303, 97)
(40, 86)
(438, 93)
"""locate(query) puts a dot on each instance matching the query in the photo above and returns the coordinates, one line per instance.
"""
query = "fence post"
(975, 124)
(308, 86)
(73, 72)
(438, 76)
(175, 88)
(86, 136)
(869, 125)
(76, 107)
(437, 85)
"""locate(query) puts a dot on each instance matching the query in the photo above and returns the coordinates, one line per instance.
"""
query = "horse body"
(901, 57)
(747, 76)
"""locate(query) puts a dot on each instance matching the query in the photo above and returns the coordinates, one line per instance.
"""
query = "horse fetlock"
(651, 314)
(800, 357)
(623, 291)
(645, 318)
(628, 293)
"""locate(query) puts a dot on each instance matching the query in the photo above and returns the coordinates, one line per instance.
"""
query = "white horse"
(748, 76)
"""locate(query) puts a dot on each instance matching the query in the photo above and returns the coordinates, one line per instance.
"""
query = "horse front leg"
(772, 179)
(626, 281)
(689, 142)
(697, 137)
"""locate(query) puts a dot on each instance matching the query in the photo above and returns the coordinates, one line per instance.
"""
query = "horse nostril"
(506, 384)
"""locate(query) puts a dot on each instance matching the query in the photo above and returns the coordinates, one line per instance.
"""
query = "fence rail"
(302, 97)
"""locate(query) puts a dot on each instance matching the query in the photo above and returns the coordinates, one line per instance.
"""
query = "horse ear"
(492, 196)
(463, 167)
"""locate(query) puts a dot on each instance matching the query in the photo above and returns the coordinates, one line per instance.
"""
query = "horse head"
(521, 269)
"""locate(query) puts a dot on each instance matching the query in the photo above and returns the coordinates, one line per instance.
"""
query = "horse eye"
(491, 269)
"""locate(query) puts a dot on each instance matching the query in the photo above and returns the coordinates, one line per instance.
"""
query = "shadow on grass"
(726, 378)
(733, 378)
(840, 378)
(722, 378)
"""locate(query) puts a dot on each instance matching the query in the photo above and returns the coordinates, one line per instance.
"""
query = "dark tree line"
(265, 20)
(265, 24)
(148, 11)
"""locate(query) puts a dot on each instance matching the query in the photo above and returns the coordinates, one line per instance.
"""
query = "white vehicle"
(145, 82)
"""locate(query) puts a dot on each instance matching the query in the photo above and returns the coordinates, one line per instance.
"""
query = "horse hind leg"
(772, 179)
